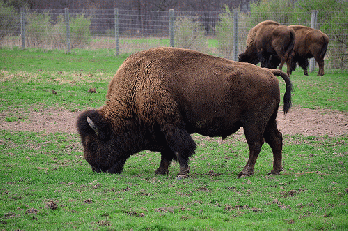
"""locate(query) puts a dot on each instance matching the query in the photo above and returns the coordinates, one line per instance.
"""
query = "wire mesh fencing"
(220, 33)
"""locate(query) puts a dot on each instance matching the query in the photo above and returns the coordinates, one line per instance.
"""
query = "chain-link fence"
(119, 31)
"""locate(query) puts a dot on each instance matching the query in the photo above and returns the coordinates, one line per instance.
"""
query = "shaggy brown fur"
(269, 43)
(308, 43)
(160, 96)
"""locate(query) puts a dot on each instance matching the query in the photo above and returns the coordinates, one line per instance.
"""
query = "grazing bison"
(270, 43)
(308, 43)
(160, 96)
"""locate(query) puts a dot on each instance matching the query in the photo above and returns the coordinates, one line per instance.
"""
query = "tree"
(333, 18)
(8, 20)
(17, 4)
(282, 11)
(224, 33)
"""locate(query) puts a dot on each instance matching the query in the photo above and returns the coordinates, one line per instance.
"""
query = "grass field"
(45, 184)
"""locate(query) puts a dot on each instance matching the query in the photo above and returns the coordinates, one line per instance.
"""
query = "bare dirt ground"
(308, 122)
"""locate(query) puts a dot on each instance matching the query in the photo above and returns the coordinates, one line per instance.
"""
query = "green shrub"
(189, 34)
(58, 33)
(42, 31)
(37, 28)
(224, 33)
(79, 31)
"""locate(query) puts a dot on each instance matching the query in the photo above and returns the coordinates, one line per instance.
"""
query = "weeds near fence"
(8, 21)
(189, 34)
(224, 33)
(43, 31)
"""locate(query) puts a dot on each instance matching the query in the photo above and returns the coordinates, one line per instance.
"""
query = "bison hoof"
(181, 177)
(245, 174)
(275, 172)
(161, 171)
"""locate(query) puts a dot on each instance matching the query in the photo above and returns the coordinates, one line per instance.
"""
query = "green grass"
(161, 42)
(329, 91)
(33, 60)
(147, 41)
(45, 184)
(28, 77)
(39, 169)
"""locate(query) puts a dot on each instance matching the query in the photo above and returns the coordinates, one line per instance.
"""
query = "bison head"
(101, 148)
(249, 58)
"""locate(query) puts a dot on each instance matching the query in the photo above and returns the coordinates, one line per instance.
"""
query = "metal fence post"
(67, 29)
(117, 31)
(314, 19)
(23, 27)
(235, 35)
(171, 27)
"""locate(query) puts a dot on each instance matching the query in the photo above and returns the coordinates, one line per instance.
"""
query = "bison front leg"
(181, 143)
(264, 61)
(117, 167)
(281, 65)
(166, 159)
(303, 62)
(184, 167)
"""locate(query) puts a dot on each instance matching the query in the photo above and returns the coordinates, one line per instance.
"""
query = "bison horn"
(92, 125)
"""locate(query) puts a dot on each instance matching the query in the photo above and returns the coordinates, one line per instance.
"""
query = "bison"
(308, 43)
(158, 97)
(269, 43)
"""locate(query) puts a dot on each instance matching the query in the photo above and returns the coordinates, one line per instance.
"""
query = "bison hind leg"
(274, 138)
(254, 150)
(255, 141)
(256, 132)
(321, 67)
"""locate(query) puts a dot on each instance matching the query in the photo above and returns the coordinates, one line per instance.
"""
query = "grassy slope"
(39, 171)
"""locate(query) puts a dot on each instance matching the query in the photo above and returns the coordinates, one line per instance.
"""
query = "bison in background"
(159, 97)
(269, 43)
(308, 43)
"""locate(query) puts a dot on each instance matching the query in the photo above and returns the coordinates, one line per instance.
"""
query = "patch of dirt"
(44, 120)
(308, 122)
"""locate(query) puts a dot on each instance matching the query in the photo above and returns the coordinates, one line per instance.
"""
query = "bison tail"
(289, 53)
(287, 95)
(324, 48)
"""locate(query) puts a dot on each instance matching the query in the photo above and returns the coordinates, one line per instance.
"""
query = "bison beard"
(160, 96)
